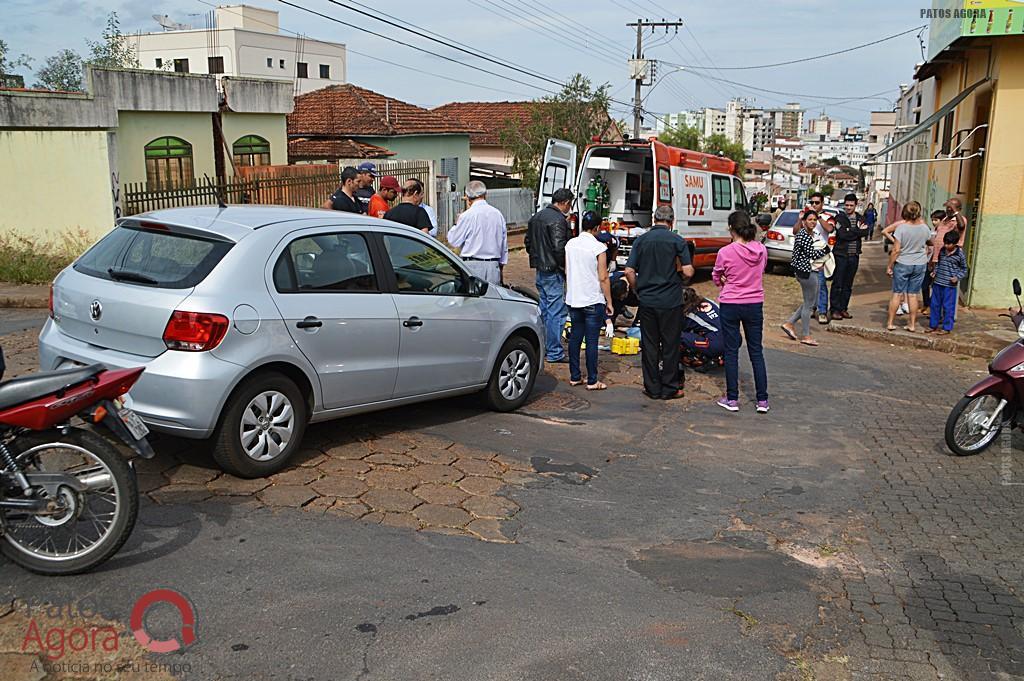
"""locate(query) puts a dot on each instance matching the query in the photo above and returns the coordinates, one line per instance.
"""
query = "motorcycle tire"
(126, 509)
(950, 431)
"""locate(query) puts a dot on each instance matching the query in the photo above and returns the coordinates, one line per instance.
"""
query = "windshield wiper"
(125, 275)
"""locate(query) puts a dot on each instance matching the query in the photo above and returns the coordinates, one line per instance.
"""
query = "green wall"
(999, 257)
(423, 147)
(136, 129)
(271, 127)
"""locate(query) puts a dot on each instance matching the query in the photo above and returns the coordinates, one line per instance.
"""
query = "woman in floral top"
(804, 255)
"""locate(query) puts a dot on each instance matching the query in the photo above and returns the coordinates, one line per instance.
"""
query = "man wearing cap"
(366, 173)
(380, 203)
(410, 210)
(481, 235)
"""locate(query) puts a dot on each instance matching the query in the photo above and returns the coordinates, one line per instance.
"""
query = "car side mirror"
(1016, 287)
(477, 286)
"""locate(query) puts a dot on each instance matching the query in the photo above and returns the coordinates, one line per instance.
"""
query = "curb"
(983, 350)
(24, 302)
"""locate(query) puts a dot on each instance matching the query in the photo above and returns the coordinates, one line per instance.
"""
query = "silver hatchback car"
(252, 321)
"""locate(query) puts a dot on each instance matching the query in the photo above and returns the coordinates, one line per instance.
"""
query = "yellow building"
(972, 146)
(65, 158)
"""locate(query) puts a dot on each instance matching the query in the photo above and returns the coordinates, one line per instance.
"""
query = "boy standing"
(933, 244)
(951, 268)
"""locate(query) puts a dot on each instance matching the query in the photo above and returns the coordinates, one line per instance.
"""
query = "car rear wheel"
(512, 376)
(262, 426)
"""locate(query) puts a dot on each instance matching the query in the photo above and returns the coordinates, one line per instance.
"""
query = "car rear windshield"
(787, 219)
(152, 258)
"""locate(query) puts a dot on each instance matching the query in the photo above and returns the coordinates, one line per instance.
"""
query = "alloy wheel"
(267, 424)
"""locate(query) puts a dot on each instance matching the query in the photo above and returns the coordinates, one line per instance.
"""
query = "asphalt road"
(707, 545)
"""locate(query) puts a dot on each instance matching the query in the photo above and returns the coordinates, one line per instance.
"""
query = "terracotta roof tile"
(348, 110)
(305, 149)
(489, 117)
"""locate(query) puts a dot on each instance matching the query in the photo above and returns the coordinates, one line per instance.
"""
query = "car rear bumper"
(180, 393)
(778, 254)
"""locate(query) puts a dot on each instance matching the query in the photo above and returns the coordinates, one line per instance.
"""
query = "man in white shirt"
(481, 235)
(588, 294)
(431, 213)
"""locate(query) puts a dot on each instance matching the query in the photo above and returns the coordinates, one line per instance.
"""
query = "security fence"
(517, 205)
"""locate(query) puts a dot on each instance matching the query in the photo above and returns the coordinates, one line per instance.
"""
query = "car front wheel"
(262, 426)
(513, 375)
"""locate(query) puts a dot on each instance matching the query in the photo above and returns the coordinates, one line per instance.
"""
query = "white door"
(557, 170)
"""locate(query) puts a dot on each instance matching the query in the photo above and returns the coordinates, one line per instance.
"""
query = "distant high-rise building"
(789, 120)
(823, 125)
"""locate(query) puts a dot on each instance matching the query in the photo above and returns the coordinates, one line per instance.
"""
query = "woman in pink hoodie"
(738, 271)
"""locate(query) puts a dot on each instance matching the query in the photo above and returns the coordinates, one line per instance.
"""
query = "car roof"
(235, 222)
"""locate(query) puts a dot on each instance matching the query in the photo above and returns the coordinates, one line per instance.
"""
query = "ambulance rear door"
(557, 170)
(692, 202)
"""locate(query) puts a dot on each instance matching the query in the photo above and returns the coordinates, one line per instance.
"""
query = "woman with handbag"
(809, 255)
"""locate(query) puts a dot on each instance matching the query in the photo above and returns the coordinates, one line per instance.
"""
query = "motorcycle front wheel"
(966, 433)
(94, 522)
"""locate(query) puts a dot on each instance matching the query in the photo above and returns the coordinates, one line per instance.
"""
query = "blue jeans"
(943, 308)
(586, 321)
(751, 316)
(551, 289)
(822, 293)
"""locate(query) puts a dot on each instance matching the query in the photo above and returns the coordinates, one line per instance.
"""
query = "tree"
(720, 144)
(10, 64)
(830, 162)
(62, 71)
(683, 136)
(828, 189)
(114, 51)
(576, 114)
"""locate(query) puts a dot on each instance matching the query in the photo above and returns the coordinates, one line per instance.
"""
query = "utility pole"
(641, 68)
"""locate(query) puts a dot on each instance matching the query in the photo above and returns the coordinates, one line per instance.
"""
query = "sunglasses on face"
(815, 203)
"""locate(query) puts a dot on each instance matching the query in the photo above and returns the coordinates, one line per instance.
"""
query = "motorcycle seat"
(27, 388)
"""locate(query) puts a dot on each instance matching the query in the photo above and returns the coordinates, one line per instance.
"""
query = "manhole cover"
(558, 401)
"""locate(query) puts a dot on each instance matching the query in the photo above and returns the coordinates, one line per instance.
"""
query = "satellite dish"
(168, 25)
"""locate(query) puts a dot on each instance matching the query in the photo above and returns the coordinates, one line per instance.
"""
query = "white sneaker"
(902, 309)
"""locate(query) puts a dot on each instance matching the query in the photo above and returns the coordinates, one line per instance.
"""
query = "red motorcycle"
(68, 498)
(995, 402)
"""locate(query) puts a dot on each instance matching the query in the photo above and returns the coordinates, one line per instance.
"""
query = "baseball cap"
(390, 182)
(367, 167)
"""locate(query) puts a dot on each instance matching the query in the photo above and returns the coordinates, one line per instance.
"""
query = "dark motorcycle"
(995, 402)
(68, 498)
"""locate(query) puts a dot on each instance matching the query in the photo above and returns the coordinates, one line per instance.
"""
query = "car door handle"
(309, 323)
(412, 322)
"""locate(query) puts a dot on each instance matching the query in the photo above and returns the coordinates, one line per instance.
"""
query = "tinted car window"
(787, 219)
(152, 258)
(721, 194)
(421, 268)
(326, 262)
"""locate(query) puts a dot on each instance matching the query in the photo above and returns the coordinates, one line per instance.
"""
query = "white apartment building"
(823, 125)
(848, 153)
(788, 121)
(689, 119)
(245, 41)
(714, 122)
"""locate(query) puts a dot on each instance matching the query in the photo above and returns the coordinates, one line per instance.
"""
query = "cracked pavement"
(831, 539)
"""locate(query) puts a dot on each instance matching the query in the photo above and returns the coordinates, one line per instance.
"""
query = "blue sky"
(588, 36)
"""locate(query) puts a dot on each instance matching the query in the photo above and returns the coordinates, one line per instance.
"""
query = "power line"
(375, 57)
(596, 49)
(419, 49)
(505, 13)
(807, 59)
(571, 21)
(446, 42)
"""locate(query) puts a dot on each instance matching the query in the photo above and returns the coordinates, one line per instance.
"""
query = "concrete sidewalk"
(977, 333)
(24, 295)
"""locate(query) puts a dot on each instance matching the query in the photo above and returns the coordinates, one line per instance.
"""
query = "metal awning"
(928, 122)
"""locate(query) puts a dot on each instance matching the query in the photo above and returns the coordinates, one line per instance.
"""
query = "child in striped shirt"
(950, 269)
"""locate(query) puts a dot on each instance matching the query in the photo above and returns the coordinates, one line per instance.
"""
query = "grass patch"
(827, 550)
(749, 621)
(30, 260)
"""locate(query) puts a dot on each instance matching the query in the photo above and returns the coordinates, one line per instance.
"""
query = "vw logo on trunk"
(95, 310)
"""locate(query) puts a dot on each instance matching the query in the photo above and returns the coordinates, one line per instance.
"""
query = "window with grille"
(215, 64)
(450, 168)
(251, 150)
(168, 163)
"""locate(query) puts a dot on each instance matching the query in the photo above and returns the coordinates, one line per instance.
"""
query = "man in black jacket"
(849, 234)
(546, 237)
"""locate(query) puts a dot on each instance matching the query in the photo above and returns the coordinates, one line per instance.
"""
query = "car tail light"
(49, 304)
(194, 331)
(772, 235)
